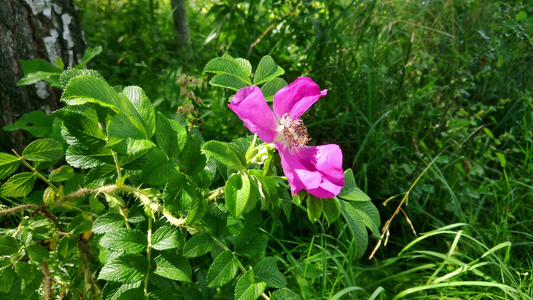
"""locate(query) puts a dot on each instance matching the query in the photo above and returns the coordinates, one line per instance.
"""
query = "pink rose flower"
(316, 169)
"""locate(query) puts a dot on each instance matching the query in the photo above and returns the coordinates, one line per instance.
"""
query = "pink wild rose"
(316, 169)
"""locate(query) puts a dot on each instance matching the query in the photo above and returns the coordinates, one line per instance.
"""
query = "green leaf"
(314, 208)
(89, 89)
(158, 170)
(109, 222)
(37, 253)
(198, 245)
(270, 88)
(216, 220)
(80, 127)
(248, 288)
(197, 209)
(62, 173)
(521, 16)
(222, 270)
(126, 240)
(266, 270)
(37, 70)
(170, 136)
(167, 237)
(8, 279)
(28, 271)
(237, 193)
(88, 159)
(369, 215)
(143, 106)
(8, 164)
(89, 54)
(267, 70)
(192, 160)
(331, 209)
(285, 294)
(36, 122)
(126, 291)
(501, 158)
(350, 191)
(100, 176)
(19, 185)
(128, 268)
(175, 267)
(357, 227)
(226, 153)
(59, 63)
(223, 65)
(8, 245)
(67, 247)
(179, 193)
(79, 225)
(250, 241)
(245, 65)
(43, 150)
(70, 73)
(227, 81)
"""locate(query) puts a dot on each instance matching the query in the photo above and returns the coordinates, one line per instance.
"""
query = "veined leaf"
(226, 153)
(331, 209)
(126, 291)
(270, 88)
(370, 216)
(89, 54)
(128, 268)
(350, 191)
(81, 130)
(39, 69)
(62, 173)
(158, 170)
(196, 210)
(175, 267)
(266, 270)
(19, 185)
(192, 160)
(8, 164)
(357, 226)
(124, 239)
(8, 245)
(143, 106)
(28, 272)
(88, 159)
(223, 269)
(89, 89)
(223, 65)
(8, 279)
(109, 222)
(285, 294)
(37, 253)
(267, 70)
(43, 150)
(78, 225)
(245, 65)
(237, 192)
(228, 81)
(67, 247)
(36, 122)
(250, 241)
(179, 193)
(70, 73)
(167, 237)
(170, 136)
(248, 287)
(314, 208)
(198, 245)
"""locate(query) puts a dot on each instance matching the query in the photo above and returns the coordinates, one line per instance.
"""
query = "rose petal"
(317, 170)
(297, 97)
(250, 105)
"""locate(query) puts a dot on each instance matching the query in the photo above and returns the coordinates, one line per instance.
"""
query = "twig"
(47, 281)
(16, 209)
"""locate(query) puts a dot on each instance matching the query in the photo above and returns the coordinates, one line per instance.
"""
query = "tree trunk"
(30, 29)
(183, 33)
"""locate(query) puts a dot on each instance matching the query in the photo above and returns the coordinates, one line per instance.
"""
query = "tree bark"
(183, 33)
(30, 29)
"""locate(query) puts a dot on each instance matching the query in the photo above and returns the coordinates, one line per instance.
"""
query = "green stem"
(148, 254)
(56, 190)
(117, 165)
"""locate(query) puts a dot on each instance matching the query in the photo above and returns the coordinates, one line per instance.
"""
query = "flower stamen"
(294, 132)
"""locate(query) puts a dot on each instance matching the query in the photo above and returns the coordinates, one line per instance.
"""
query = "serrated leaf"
(89, 54)
(88, 159)
(100, 176)
(245, 65)
(108, 223)
(37, 252)
(19, 185)
(370, 216)
(120, 291)
(8, 245)
(158, 169)
(67, 247)
(28, 271)
(192, 160)
(266, 270)
(227, 81)
(89, 89)
(222, 270)
(175, 267)
(248, 288)
(128, 268)
(78, 225)
(70, 73)
(126, 240)
(143, 106)
(285, 294)
(224, 65)
(331, 209)
(196, 210)
(8, 279)
(170, 136)
(167, 237)
(36, 122)
(357, 227)
(80, 127)
(314, 208)
(179, 193)
(43, 150)
(62, 173)
(8, 164)
(198, 245)
(250, 241)
(132, 147)
(270, 88)
(237, 192)
(215, 220)
(226, 153)
(350, 191)
(267, 70)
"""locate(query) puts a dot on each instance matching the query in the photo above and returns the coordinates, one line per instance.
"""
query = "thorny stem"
(148, 255)
(47, 281)
(9, 211)
(56, 190)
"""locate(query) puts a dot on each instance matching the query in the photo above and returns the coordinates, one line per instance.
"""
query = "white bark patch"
(41, 90)
(67, 19)
(50, 42)
(38, 6)
(58, 9)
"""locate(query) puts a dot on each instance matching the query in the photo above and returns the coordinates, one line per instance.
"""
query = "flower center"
(294, 132)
